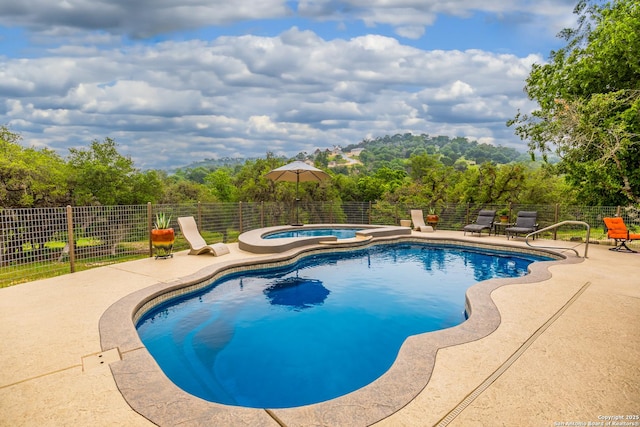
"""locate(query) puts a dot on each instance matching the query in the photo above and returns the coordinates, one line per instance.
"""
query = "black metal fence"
(43, 242)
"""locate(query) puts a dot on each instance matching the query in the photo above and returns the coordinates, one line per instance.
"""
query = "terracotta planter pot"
(432, 220)
(162, 241)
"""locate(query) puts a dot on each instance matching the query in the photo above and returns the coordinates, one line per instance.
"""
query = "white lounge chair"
(189, 230)
(417, 216)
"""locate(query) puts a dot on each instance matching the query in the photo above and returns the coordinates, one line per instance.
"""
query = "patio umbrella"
(297, 172)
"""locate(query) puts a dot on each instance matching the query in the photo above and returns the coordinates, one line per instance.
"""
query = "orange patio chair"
(619, 232)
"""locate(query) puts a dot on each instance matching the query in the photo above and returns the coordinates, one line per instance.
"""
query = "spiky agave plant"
(162, 237)
(162, 221)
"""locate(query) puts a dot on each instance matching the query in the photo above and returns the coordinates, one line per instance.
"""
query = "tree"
(544, 186)
(322, 159)
(104, 176)
(384, 181)
(254, 187)
(197, 174)
(491, 184)
(30, 177)
(180, 190)
(346, 187)
(589, 104)
(221, 185)
(434, 176)
(147, 187)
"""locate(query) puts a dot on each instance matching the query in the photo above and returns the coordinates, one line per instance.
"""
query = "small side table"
(499, 227)
(405, 223)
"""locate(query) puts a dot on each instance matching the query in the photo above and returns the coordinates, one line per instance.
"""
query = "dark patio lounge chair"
(526, 222)
(618, 231)
(483, 222)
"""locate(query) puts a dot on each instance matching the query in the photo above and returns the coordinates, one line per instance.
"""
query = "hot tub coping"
(253, 241)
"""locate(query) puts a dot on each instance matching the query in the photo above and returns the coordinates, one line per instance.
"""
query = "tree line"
(100, 175)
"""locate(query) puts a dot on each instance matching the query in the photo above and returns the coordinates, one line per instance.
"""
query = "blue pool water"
(326, 326)
(340, 233)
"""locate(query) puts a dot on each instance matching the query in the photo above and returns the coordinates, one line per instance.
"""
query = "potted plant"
(162, 236)
(432, 218)
(503, 214)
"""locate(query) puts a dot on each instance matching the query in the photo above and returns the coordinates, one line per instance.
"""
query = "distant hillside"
(398, 146)
(217, 163)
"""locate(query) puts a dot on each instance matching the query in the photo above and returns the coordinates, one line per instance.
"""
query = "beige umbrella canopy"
(297, 172)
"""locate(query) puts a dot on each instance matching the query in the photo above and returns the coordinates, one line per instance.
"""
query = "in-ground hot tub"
(260, 241)
(338, 232)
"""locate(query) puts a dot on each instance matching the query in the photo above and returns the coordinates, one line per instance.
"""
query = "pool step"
(352, 240)
(385, 231)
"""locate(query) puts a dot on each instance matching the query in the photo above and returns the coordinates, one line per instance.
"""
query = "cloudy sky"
(177, 82)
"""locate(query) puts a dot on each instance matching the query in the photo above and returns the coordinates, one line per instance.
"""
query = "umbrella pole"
(297, 200)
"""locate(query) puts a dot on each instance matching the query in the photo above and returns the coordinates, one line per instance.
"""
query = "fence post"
(369, 220)
(200, 217)
(149, 227)
(240, 215)
(262, 214)
(618, 211)
(72, 245)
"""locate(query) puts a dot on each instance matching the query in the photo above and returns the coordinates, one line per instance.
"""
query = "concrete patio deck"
(567, 349)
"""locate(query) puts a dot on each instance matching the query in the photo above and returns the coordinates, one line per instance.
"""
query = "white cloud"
(410, 31)
(139, 19)
(147, 18)
(287, 94)
(411, 17)
(262, 125)
(454, 90)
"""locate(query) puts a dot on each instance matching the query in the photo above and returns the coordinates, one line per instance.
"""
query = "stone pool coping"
(150, 393)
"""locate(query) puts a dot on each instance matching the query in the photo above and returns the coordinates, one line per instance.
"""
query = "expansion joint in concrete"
(457, 410)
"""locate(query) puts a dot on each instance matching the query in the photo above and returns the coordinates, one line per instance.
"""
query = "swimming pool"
(340, 233)
(317, 329)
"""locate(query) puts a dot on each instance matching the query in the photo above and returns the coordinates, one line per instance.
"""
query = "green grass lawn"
(22, 273)
(53, 262)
